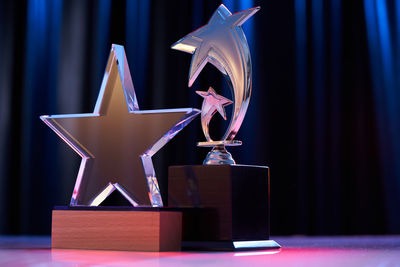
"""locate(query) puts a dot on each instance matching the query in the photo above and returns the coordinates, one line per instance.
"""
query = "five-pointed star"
(213, 103)
(208, 41)
(116, 141)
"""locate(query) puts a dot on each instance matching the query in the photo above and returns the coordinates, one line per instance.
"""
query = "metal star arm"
(222, 43)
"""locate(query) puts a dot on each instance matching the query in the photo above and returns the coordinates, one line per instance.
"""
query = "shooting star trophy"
(116, 143)
(232, 200)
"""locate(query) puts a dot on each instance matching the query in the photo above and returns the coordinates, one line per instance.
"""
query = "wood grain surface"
(117, 230)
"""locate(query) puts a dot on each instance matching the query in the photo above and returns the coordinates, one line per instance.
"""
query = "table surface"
(295, 251)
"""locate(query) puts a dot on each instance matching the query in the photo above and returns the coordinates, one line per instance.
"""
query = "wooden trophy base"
(116, 228)
(224, 206)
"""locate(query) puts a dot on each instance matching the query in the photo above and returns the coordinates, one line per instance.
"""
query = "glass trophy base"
(225, 204)
(116, 228)
(231, 245)
(218, 156)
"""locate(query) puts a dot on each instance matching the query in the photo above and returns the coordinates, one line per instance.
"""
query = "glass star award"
(222, 43)
(116, 141)
(237, 195)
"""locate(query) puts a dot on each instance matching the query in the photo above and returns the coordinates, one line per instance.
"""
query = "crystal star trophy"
(116, 143)
(228, 203)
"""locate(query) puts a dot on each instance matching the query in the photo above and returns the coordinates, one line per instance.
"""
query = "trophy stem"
(219, 156)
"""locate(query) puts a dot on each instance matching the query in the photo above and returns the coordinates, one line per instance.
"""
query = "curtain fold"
(383, 34)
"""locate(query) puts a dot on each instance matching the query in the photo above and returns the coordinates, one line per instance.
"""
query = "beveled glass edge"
(154, 189)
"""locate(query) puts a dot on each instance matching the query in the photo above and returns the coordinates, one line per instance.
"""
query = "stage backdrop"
(324, 113)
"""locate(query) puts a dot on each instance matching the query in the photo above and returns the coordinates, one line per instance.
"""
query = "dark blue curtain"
(323, 114)
(383, 33)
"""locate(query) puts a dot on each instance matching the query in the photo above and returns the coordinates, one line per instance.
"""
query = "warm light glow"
(185, 47)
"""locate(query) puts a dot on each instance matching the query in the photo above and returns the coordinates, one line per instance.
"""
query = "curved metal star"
(211, 104)
(116, 141)
(222, 43)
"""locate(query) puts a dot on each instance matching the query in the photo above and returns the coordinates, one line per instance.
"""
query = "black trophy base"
(225, 205)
